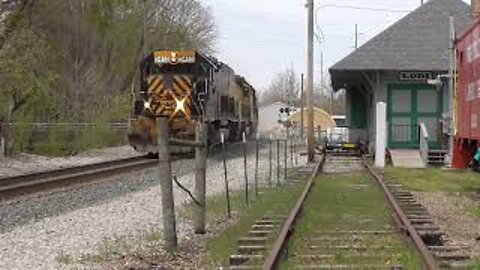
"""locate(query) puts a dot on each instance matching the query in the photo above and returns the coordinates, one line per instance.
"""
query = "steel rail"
(25, 183)
(428, 259)
(271, 262)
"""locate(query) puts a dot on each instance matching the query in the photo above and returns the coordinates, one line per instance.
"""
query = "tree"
(285, 87)
(76, 60)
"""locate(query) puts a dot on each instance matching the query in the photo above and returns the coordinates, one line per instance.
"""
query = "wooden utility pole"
(310, 135)
(200, 174)
(165, 177)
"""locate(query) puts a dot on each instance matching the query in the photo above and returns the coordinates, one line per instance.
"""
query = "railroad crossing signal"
(283, 115)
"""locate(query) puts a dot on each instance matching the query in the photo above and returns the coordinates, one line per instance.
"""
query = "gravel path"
(450, 212)
(36, 231)
(27, 163)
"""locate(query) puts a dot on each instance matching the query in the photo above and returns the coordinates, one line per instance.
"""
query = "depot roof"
(419, 41)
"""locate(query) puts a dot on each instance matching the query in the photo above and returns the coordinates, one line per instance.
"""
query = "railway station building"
(394, 67)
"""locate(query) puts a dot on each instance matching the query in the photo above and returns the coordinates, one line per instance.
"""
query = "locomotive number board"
(174, 57)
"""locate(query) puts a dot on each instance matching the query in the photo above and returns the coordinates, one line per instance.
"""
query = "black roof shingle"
(419, 41)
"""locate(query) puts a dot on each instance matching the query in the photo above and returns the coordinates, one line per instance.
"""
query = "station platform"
(403, 158)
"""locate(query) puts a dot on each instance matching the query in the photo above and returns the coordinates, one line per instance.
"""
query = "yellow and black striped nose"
(155, 85)
(171, 95)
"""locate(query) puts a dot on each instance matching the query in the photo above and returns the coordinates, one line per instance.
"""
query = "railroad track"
(330, 242)
(34, 182)
(11, 187)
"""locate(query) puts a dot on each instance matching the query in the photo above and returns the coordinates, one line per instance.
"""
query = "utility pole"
(302, 105)
(451, 93)
(310, 31)
(356, 36)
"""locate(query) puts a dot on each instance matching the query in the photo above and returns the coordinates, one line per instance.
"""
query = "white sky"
(261, 37)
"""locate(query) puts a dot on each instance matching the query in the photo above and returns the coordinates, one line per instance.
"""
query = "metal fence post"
(291, 151)
(165, 177)
(286, 160)
(200, 174)
(270, 156)
(256, 166)
(295, 151)
(227, 190)
(245, 166)
(278, 162)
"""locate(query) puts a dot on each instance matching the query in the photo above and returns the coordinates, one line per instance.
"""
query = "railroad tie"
(348, 267)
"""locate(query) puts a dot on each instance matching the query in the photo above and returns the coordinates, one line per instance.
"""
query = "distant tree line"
(77, 60)
(286, 87)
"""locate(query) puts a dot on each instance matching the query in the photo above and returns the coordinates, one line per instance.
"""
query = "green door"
(408, 106)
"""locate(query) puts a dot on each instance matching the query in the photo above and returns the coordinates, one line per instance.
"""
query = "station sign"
(416, 76)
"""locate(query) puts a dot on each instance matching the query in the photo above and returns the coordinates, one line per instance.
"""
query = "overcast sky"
(259, 38)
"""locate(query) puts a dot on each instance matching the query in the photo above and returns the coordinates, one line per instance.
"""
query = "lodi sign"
(415, 75)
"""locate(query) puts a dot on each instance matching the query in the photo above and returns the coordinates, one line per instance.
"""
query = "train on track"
(188, 87)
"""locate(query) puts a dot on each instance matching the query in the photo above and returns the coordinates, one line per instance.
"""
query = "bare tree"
(285, 87)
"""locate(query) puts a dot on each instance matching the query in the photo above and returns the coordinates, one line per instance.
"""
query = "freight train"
(188, 87)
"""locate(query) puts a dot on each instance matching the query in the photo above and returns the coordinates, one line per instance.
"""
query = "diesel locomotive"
(188, 87)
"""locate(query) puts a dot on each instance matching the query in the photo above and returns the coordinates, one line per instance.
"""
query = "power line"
(363, 8)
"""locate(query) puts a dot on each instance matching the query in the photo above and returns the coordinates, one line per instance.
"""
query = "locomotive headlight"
(180, 105)
(147, 105)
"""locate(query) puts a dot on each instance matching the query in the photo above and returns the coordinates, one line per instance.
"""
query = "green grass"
(276, 200)
(348, 202)
(436, 180)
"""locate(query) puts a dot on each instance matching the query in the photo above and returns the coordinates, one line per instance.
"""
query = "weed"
(337, 204)
(65, 258)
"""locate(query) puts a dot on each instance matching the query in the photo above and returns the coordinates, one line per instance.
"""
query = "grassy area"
(348, 202)
(275, 200)
(431, 180)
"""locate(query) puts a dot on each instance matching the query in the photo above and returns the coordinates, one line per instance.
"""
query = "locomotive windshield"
(172, 84)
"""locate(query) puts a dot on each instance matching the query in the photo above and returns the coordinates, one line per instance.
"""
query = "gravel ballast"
(451, 213)
(36, 231)
(27, 163)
